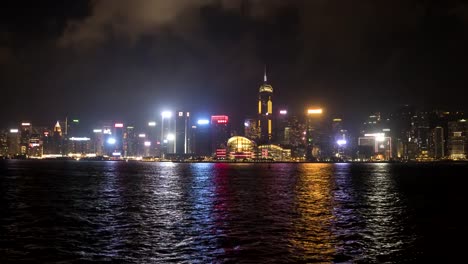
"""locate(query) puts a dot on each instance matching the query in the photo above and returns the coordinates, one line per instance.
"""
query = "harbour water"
(76, 211)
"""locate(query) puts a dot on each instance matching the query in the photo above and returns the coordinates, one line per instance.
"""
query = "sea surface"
(131, 212)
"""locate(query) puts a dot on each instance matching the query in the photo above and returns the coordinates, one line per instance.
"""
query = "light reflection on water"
(202, 212)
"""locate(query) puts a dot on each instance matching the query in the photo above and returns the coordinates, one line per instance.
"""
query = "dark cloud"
(136, 57)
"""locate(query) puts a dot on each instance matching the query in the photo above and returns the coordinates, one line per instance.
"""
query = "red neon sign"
(220, 119)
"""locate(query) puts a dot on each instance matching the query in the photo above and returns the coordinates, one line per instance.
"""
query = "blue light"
(203, 122)
(111, 141)
(341, 142)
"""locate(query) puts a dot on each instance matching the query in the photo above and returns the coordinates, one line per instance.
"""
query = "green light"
(76, 121)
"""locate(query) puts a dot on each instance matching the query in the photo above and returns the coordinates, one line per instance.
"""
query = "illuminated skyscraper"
(3, 143)
(182, 135)
(13, 142)
(25, 134)
(251, 131)
(220, 132)
(57, 139)
(119, 140)
(457, 140)
(265, 110)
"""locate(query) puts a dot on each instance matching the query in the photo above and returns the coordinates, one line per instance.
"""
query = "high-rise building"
(281, 123)
(341, 143)
(3, 143)
(72, 128)
(167, 134)
(202, 138)
(457, 140)
(251, 130)
(437, 143)
(152, 136)
(57, 140)
(182, 133)
(25, 134)
(314, 135)
(375, 146)
(35, 147)
(130, 142)
(421, 131)
(220, 133)
(265, 111)
(13, 142)
(97, 141)
(119, 140)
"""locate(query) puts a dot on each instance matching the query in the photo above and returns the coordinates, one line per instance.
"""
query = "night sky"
(128, 60)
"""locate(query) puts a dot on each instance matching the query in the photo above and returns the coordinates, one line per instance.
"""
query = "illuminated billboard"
(203, 122)
(314, 111)
(219, 119)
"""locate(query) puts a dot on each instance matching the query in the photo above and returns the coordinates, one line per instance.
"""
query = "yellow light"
(314, 111)
(269, 126)
(259, 106)
(270, 107)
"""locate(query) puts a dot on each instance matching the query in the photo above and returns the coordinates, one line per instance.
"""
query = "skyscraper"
(181, 132)
(57, 139)
(25, 134)
(437, 143)
(220, 132)
(265, 111)
(457, 140)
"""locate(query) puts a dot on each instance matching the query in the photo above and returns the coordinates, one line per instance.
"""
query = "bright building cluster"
(270, 135)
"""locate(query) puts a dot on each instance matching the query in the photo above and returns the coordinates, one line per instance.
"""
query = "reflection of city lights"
(111, 141)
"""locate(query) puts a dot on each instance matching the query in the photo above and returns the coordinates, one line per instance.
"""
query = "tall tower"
(265, 110)
(57, 139)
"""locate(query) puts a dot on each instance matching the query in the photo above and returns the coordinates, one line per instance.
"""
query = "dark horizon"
(127, 61)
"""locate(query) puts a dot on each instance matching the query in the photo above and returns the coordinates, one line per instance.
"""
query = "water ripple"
(217, 213)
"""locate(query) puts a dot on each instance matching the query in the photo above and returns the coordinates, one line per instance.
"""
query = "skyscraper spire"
(265, 75)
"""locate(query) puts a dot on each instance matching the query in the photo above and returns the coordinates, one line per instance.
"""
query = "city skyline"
(79, 59)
